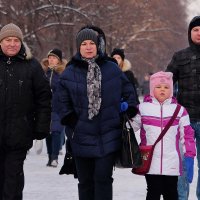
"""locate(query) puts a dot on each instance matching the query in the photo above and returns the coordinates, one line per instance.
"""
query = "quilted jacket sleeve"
(187, 135)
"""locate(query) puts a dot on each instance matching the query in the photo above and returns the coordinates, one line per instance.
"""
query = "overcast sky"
(193, 8)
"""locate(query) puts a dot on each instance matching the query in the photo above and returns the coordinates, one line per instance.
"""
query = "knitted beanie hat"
(119, 52)
(195, 22)
(55, 52)
(161, 78)
(11, 30)
(86, 34)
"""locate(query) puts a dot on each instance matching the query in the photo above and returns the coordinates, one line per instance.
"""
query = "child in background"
(154, 113)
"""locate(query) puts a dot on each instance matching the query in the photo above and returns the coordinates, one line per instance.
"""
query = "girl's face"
(88, 49)
(162, 92)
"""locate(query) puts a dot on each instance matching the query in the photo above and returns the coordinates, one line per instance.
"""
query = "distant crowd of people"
(82, 100)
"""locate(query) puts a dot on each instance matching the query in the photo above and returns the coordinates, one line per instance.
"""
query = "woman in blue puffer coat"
(90, 92)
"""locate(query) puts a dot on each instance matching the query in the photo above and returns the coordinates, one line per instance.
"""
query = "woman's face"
(53, 61)
(119, 60)
(88, 49)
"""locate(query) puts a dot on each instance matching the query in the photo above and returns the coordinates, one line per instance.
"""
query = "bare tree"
(149, 31)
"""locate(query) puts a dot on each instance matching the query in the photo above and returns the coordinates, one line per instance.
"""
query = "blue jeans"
(183, 185)
(53, 145)
(62, 140)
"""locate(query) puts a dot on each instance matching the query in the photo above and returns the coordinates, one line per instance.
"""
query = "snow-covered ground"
(44, 183)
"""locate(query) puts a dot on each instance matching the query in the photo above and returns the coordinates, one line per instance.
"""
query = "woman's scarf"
(93, 87)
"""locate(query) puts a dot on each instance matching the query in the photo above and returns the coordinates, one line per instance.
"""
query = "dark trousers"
(53, 142)
(95, 177)
(158, 185)
(11, 173)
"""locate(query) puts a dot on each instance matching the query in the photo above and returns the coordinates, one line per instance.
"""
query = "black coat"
(185, 66)
(25, 101)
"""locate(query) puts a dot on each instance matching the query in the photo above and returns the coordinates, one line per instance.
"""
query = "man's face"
(195, 35)
(11, 46)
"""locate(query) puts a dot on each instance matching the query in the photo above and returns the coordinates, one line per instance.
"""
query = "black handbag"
(69, 166)
(129, 155)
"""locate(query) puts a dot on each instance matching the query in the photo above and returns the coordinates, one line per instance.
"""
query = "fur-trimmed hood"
(27, 51)
(59, 69)
(126, 65)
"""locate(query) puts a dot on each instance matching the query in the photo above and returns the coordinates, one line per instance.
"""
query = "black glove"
(40, 135)
(70, 120)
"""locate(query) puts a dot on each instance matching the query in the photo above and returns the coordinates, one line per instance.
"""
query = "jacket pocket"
(19, 133)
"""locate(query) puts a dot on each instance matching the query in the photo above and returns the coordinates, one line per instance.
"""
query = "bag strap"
(168, 125)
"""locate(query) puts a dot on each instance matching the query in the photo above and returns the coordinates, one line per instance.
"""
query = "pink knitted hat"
(159, 78)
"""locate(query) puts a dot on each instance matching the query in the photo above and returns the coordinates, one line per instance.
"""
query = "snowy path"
(44, 183)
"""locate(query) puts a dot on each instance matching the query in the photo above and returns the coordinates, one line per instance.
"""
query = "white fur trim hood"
(27, 51)
(126, 65)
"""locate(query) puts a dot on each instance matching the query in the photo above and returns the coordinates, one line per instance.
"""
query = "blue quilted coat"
(53, 77)
(101, 135)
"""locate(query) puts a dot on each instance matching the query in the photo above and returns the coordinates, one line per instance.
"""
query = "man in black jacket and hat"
(185, 66)
(25, 104)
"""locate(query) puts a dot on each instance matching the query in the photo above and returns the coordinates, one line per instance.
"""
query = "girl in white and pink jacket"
(154, 114)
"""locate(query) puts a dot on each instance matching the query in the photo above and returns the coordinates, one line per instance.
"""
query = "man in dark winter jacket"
(185, 66)
(25, 103)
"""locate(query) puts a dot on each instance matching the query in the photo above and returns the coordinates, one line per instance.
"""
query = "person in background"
(145, 84)
(125, 66)
(54, 65)
(91, 116)
(185, 66)
(154, 114)
(25, 103)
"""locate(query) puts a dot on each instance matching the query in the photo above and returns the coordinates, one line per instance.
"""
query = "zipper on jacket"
(9, 61)
(6, 78)
(20, 87)
(161, 157)
(50, 79)
(73, 134)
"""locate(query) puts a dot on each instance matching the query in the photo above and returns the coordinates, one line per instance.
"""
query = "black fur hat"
(55, 52)
(194, 22)
(117, 51)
